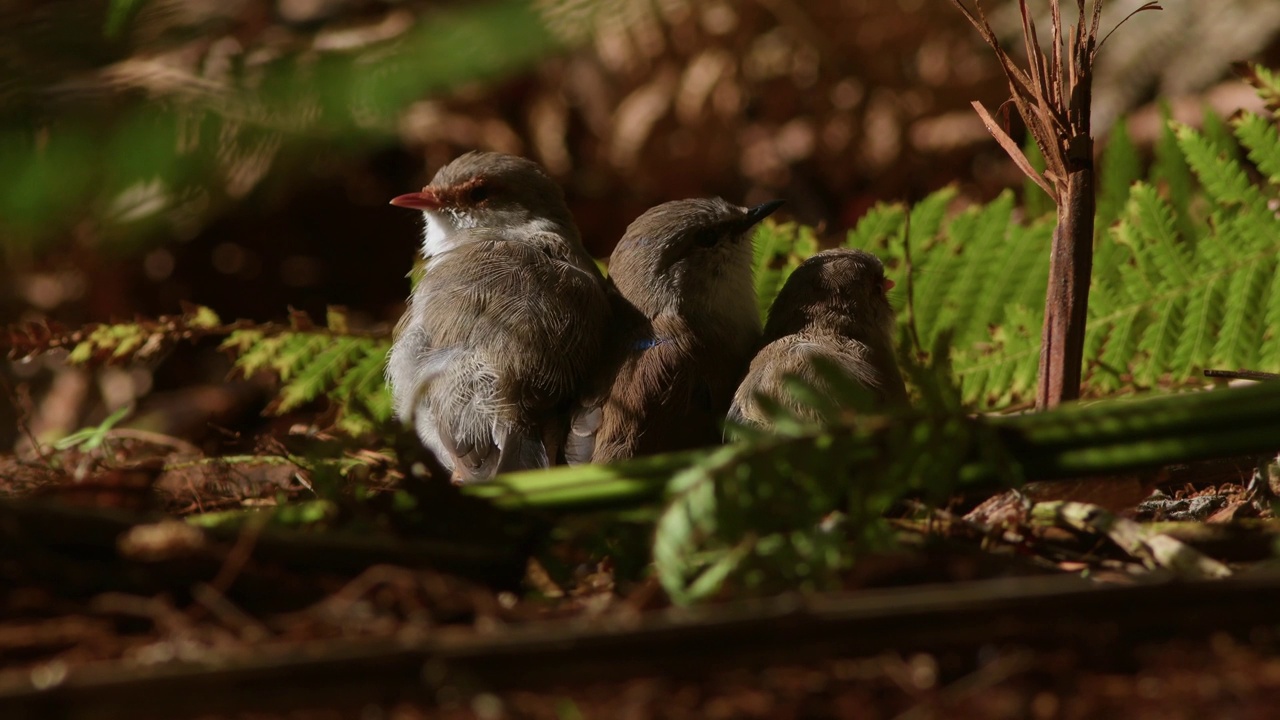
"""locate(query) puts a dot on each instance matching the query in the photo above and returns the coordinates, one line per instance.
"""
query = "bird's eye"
(707, 238)
(478, 193)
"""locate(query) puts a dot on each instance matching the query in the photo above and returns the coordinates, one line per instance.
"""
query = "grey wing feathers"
(500, 338)
(794, 355)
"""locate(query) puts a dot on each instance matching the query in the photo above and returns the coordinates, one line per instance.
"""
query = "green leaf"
(1217, 168)
(1259, 137)
(1120, 166)
(90, 439)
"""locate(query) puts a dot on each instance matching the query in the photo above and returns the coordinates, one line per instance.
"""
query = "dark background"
(240, 154)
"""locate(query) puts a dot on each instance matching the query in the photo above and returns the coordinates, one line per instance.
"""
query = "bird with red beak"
(506, 324)
(834, 307)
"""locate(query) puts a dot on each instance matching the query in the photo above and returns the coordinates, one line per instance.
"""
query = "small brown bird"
(506, 325)
(684, 270)
(834, 306)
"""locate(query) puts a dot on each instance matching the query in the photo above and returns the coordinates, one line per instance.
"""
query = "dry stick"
(1053, 96)
(23, 425)
(1241, 375)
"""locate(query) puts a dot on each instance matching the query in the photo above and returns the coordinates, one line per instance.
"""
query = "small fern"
(779, 248)
(312, 362)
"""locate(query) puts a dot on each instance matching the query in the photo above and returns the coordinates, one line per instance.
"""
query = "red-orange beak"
(888, 284)
(427, 199)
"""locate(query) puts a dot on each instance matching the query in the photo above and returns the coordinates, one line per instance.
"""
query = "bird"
(686, 327)
(507, 323)
(834, 307)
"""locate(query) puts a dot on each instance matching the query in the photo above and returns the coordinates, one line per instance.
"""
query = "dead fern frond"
(113, 343)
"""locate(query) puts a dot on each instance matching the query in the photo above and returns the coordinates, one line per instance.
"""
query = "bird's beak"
(762, 211)
(427, 199)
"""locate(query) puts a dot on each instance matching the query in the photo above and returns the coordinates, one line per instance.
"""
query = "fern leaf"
(1005, 369)
(1218, 134)
(1152, 220)
(778, 250)
(980, 236)
(928, 214)
(1195, 343)
(1220, 174)
(1271, 320)
(767, 244)
(296, 351)
(1019, 274)
(1160, 340)
(1118, 352)
(1172, 172)
(315, 375)
(1266, 82)
(1120, 167)
(1238, 340)
(371, 390)
(881, 222)
(1029, 274)
(1260, 138)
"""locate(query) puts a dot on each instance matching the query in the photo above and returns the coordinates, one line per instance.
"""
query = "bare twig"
(1241, 375)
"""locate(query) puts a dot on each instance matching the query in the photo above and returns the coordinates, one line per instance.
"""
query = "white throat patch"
(440, 231)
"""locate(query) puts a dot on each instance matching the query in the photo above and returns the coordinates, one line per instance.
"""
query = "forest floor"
(110, 608)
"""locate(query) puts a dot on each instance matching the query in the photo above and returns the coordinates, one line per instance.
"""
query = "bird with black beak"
(684, 269)
(507, 323)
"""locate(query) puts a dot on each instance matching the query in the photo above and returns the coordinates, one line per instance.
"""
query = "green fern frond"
(1238, 344)
(1172, 172)
(1217, 132)
(928, 214)
(1219, 172)
(883, 221)
(1160, 340)
(1204, 313)
(1260, 139)
(778, 249)
(312, 362)
(1119, 169)
(1266, 82)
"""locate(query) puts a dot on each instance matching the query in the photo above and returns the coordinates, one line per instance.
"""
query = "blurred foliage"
(154, 139)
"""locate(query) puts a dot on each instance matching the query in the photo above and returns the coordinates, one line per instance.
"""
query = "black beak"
(762, 211)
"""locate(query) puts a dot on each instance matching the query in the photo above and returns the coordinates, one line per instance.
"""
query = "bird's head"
(489, 190)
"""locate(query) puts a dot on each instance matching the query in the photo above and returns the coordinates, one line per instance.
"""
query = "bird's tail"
(522, 449)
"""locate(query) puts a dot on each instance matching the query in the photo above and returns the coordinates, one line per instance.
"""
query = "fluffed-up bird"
(835, 307)
(506, 324)
(684, 271)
